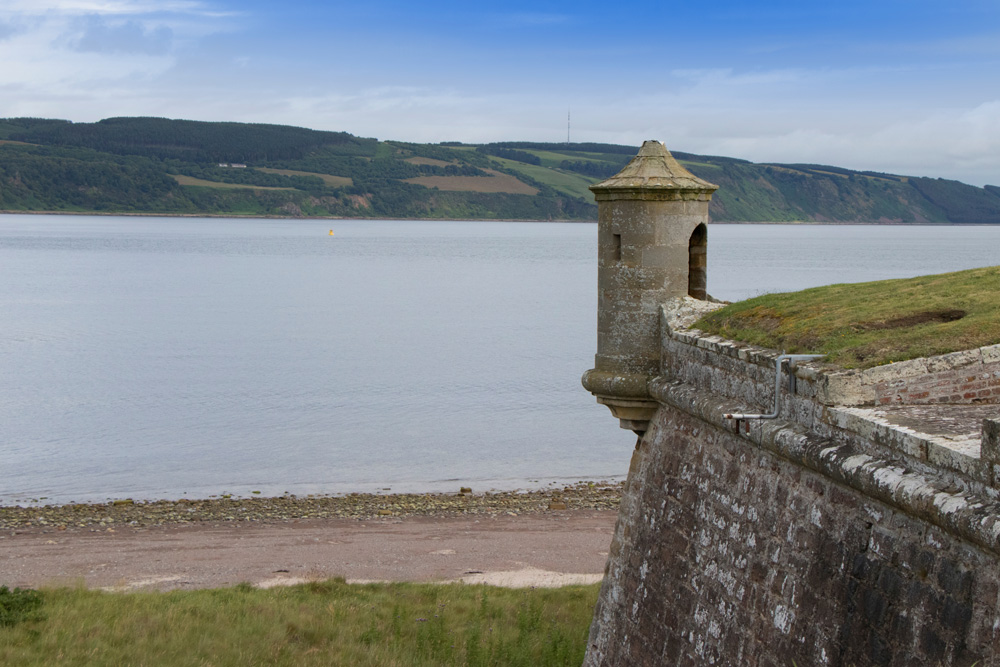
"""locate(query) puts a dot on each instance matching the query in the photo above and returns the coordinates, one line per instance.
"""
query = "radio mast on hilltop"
(567, 126)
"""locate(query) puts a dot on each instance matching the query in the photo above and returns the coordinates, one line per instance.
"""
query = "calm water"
(150, 357)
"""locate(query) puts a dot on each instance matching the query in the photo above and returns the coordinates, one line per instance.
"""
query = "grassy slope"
(573, 185)
(555, 158)
(333, 181)
(324, 623)
(498, 183)
(867, 324)
(377, 170)
(202, 183)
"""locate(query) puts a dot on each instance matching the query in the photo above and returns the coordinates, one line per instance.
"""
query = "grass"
(200, 182)
(498, 182)
(427, 160)
(18, 605)
(552, 159)
(574, 185)
(868, 324)
(333, 181)
(321, 623)
(704, 165)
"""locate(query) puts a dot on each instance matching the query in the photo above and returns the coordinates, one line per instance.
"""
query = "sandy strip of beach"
(553, 537)
(551, 548)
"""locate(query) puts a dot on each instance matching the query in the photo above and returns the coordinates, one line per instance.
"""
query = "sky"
(901, 86)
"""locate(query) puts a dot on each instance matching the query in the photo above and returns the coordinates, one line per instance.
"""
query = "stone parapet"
(965, 377)
(949, 502)
(830, 399)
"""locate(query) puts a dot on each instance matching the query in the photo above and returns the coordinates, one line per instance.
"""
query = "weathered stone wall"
(825, 537)
(728, 554)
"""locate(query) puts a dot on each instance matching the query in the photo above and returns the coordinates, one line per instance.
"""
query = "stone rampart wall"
(729, 554)
(820, 537)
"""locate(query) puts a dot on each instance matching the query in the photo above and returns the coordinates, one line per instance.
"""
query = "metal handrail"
(792, 358)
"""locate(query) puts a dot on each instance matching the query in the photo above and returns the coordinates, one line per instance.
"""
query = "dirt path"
(547, 548)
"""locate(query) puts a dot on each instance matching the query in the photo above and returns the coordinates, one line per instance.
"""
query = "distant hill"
(156, 165)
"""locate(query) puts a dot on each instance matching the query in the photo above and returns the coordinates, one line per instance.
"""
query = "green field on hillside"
(202, 183)
(571, 184)
(333, 181)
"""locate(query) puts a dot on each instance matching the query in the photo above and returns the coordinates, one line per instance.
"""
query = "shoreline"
(248, 216)
(239, 216)
(269, 510)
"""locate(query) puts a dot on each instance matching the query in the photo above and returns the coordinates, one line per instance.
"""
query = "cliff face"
(859, 527)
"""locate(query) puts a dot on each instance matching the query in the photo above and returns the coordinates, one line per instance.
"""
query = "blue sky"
(909, 87)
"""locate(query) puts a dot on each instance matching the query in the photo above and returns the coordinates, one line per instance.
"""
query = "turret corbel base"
(625, 394)
(633, 415)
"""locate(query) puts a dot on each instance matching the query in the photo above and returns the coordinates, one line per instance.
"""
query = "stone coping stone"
(947, 436)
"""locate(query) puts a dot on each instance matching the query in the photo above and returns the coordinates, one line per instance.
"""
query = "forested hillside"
(155, 165)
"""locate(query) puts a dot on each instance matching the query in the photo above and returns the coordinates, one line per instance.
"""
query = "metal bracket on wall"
(792, 360)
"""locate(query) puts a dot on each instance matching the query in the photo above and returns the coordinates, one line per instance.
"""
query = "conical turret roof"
(654, 168)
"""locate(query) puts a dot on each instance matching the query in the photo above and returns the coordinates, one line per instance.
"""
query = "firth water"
(165, 357)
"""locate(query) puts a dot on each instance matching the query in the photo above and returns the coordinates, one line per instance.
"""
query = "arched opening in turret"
(698, 263)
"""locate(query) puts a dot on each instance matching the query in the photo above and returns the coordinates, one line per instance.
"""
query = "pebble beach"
(126, 512)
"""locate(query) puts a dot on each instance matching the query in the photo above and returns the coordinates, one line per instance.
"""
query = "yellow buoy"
(331, 232)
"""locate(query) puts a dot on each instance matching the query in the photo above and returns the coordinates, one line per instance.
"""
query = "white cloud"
(66, 56)
(962, 144)
(44, 62)
(105, 7)
(388, 112)
(871, 118)
(100, 36)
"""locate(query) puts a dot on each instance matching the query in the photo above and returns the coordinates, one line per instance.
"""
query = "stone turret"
(652, 239)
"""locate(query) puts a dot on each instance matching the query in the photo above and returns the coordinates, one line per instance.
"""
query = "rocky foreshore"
(104, 516)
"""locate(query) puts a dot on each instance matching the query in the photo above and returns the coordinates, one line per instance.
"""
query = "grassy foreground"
(321, 623)
(868, 324)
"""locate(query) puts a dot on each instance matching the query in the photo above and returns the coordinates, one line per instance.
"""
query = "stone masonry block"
(961, 359)
(710, 343)
(671, 258)
(990, 447)
(951, 458)
(845, 389)
(848, 420)
(896, 371)
(629, 277)
(902, 441)
(991, 354)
